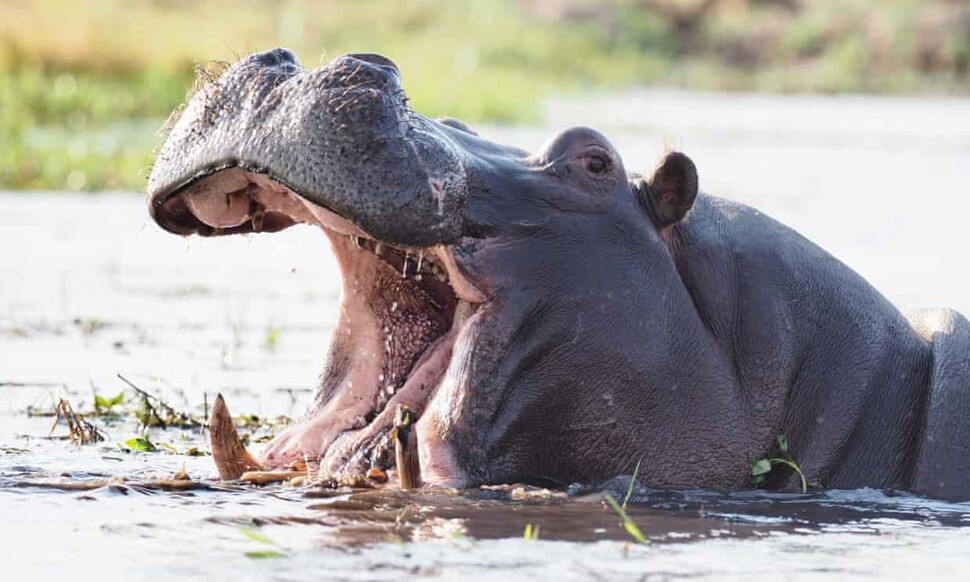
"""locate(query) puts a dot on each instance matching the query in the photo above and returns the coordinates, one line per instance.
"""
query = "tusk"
(231, 457)
(406, 448)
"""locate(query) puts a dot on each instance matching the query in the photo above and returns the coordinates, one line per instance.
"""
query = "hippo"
(549, 317)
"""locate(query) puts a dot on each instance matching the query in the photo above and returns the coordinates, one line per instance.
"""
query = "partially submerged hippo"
(551, 317)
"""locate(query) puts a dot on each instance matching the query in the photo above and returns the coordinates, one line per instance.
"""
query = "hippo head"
(505, 297)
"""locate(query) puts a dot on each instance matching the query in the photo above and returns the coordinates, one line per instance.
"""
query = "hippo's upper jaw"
(341, 136)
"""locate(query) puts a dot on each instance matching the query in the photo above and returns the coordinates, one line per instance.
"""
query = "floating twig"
(172, 416)
(80, 430)
(264, 477)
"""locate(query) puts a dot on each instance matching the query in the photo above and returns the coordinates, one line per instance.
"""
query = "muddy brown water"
(90, 288)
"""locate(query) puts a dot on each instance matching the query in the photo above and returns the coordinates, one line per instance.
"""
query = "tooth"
(406, 448)
(390, 389)
(393, 307)
(378, 249)
(418, 277)
(420, 259)
(230, 456)
(258, 221)
(356, 240)
(442, 277)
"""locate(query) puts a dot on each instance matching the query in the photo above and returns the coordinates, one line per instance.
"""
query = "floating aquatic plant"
(779, 455)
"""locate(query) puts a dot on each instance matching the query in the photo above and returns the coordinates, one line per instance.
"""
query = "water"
(89, 287)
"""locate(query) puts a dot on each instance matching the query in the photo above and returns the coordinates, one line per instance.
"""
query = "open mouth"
(402, 310)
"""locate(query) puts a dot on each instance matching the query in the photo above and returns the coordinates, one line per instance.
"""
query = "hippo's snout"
(341, 137)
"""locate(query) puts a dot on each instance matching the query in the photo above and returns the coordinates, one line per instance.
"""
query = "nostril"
(377, 60)
(278, 57)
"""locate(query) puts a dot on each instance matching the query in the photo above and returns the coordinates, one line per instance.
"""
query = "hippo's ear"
(670, 192)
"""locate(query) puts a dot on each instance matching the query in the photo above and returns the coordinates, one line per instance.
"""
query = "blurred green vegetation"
(84, 85)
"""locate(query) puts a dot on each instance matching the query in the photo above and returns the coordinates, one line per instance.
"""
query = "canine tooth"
(356, 240)
(406, 448)
(420, 259)
(378, 249)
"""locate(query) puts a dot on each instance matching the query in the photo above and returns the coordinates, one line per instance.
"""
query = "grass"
(628, 524)
(531, 532)
(80, 101)
(633, 482)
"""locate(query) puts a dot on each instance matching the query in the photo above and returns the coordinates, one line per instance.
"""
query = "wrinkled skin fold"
(550, 317)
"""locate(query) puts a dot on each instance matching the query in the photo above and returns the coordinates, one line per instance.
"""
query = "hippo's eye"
(596, 164)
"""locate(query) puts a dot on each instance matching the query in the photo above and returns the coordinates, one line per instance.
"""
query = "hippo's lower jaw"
(401, 313)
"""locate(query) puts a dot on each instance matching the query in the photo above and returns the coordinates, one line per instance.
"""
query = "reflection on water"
(89, 287)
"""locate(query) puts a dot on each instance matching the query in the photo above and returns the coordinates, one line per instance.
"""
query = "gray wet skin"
(597, 318)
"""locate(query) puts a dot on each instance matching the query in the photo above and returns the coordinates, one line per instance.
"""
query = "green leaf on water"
(272, 336)
(141, 444)
(779, 455)
(104, 404)
(256, 536)
(761, 467)
(265, 554)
